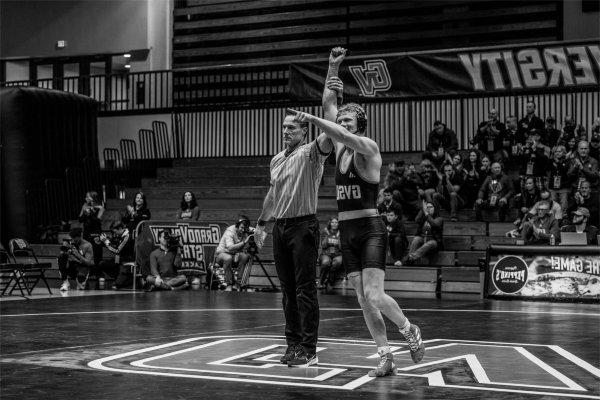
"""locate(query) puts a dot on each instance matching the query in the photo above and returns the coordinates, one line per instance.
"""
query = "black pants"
(119, 272)
(295, 249)
(72, 269)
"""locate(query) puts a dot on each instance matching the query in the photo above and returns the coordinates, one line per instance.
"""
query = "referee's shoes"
(303, 359)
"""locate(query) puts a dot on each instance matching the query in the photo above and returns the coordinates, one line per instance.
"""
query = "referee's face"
(292, 132)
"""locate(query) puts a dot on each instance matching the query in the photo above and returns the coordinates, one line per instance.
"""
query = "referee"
(292, 201)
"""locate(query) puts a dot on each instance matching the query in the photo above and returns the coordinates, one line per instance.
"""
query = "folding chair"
(33, 270)
(11, 274)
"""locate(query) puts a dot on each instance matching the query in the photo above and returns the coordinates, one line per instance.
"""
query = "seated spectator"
(429, 237)
(485, 169)
(571, 147)
(394, 174)
(585, 198)
(559, 179)
(75, 260)
(231, 251)
(494, 194)
(136, 212)
(583, 167)
(397, 239)
(406, 190)
(542, 228)
(448, 192)
(473, 178)
(531, 123)
(525, 200)
(121, 245)
(595, 140)
(580, 224)
(457, 163)
(551, 135)
(430, 179)
(533, 161)
(442, 144)
(513, 140)
(331, 253)
(571, 129)
(189, 207)
(388, 204)
(555, 208)
(164, 263)
(91, 218)
(490, 135)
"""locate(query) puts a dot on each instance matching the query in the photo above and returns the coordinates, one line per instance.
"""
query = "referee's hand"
(300, 116)
(259, 236)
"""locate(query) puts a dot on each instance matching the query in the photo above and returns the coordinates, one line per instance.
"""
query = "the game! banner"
(198, 242)
(554, 272)
(464, 71)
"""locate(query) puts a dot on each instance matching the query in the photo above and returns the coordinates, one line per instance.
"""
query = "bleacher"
(239, 187)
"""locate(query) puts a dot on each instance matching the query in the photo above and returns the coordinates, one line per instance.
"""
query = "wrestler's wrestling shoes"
(290, 352)
(413, 338)
(385, 367)
(302, 359)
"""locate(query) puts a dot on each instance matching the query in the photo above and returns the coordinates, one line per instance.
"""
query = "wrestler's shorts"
(364, 243)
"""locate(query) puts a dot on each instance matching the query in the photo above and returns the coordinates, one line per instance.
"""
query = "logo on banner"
(510, 274)
(372, 77)
(193, 241)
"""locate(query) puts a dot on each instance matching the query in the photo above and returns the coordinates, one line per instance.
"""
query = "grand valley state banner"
(557, 65)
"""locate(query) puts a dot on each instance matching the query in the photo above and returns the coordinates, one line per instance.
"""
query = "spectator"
(585, 198)
(533, 161)
(189, 207)
(428, 239)
(555, 208)
(91, 218)
(531, 123)
(571, 147)
(541, 228)
(524, 201)
(406, 191)
(580, 224)
(571, 129)
(331, 253)
(495, 192)
(457, 163)
(388, 204)
(551, 135)
(75, 260)
(430, 179)
(397, 239)
(559, 179)
(231, 251)
(485, 169)
(490, 136)
(164, 263)
(583, 167)
(513, 140)
(122, 246)
(442, 144)
(448, 192)
(595, 140)
(473, 178)
(136, 212)
(394, 174)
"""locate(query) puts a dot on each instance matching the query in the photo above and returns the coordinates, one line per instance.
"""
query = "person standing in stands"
(136, 212)
(362, 232)
(530, 124)
(490, 136)
(91, 218)
(296, 174)
(189, 207)
(442, 144)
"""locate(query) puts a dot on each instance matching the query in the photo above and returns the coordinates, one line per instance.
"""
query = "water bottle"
(552, 240)
(101, 283)
(344, 286)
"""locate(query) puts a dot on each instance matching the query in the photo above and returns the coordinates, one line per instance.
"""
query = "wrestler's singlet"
(352, 191)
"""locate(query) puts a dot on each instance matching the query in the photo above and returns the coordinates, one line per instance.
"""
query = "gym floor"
(199, 344)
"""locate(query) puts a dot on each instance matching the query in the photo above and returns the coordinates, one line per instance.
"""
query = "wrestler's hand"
(259, 236)
(337, 55)
(300, 116)
(334, 83)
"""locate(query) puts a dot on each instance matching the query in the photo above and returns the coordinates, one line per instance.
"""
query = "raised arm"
(330, 92)
(338, 133)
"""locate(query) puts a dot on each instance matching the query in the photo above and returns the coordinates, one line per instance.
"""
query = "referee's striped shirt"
(295, 181)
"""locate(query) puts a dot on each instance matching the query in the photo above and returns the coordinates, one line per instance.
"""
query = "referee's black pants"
(295, 244)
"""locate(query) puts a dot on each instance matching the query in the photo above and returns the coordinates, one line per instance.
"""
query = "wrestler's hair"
(361, 116)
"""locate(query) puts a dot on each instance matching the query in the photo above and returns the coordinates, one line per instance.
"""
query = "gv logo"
(373, 77)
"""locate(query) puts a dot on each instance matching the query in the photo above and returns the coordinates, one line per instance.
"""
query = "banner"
(463, 71)
(561, 272)
(198, 241)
